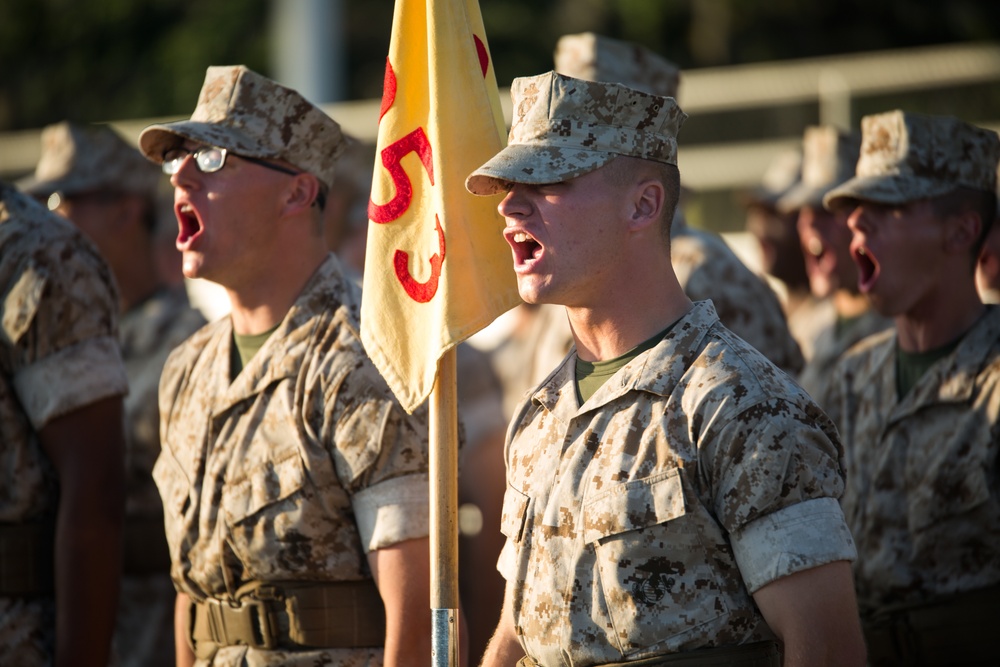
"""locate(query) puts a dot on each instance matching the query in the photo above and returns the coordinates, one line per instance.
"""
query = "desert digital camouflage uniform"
(148, 333)
(831, 343)
(58, 353)
(640, 523)
(923, 494)
(292, 472)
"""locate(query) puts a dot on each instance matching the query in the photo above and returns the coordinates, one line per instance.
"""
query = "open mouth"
(868, 267)
(188, 224)
(525, 248)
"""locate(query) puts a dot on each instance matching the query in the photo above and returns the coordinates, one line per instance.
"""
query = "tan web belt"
(758, 654)
(346, 614)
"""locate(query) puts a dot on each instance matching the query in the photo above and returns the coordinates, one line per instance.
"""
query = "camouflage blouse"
(641, 522)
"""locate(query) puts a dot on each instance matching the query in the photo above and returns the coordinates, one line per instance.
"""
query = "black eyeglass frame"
(171, 166)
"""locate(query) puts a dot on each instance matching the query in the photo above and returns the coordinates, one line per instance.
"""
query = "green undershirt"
(245, 347)
(591, 375)
(911, 366)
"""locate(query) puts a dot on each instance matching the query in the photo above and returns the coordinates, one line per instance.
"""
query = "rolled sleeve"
(798, 537)
(392, 511)
(71, 378)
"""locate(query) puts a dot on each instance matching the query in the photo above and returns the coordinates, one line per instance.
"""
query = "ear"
(301, 193)
(962, 231)
(646, 204)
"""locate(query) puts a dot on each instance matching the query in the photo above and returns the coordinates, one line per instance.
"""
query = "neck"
(927, 327)
(609, 331)
(260, 306)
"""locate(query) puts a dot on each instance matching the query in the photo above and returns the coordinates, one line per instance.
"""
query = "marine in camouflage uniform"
(829, 156)
(706, 267)
(105, 187)
(918, 406)
(675, 511)
(61, 382)
(294, 485)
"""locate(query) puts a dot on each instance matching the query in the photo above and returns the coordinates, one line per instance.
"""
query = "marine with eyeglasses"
(294, 485)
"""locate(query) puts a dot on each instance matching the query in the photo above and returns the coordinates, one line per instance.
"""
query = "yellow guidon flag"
(437, 269)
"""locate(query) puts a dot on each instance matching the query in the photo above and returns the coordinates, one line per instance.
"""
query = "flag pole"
(443, 464)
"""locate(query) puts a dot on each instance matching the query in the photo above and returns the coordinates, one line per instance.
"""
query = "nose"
(856, 220)
(515, 204)
(186, 173)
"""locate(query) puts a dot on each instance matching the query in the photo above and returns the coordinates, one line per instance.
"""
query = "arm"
(814, 612)
(504, 649)
(183, 650)
(87, 450)
(401, 572)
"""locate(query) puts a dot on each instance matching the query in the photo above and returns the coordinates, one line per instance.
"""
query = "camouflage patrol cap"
(829, 156)
(251, 115)
(594, 57)
(565, 127)
(907, 156)
(783, 173)
(86, 158)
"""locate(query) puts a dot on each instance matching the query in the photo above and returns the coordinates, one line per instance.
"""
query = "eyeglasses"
(210, 159)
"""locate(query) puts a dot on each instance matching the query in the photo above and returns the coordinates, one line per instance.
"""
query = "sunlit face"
(226, 218)
(565, 238)
(826, 247)
(899, 252)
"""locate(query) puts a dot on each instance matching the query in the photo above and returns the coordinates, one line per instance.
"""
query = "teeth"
(520, 237)
(862, 252)
(815, 247)
(186, 208)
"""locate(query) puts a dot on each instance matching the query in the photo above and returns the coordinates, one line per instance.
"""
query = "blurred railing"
(833, 86)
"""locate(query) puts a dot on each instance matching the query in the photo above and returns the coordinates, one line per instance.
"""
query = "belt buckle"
(245, 622)
(259, 621)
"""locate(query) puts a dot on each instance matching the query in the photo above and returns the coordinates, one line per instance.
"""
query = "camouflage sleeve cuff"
(798, 537)
(71, 378)
(392, 511)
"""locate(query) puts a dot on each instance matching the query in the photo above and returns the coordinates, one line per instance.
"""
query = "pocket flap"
(268, 483)
(515, 508)
(946, 495)
(634, 505)
(172, 482)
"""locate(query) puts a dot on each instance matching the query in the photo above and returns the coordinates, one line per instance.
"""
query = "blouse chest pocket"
(653, 562)
(267, 516)
(267, 484)
(512, 520)
(175, 490)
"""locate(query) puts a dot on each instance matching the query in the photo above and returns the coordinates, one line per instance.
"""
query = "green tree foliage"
(94, 60)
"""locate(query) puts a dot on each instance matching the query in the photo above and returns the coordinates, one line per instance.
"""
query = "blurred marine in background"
(61, 442)
(829, 157)
(91, 176)
(919, 404)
